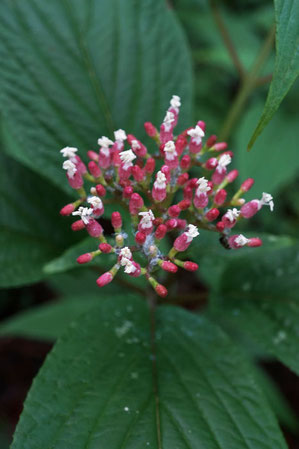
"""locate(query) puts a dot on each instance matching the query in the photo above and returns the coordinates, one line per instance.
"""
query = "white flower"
(69, 152)
(128, 264)
(175, 102)
(127, 157)
(70, 167)
(191, 232)
(104, 142)
(135, 145)
(85, 214)
(196, 133)
(160, 182)
(168, 120)
(224, 160)
(241, 240)
(203, 186)
(267, 200)
(95, 201)
(232, 214)
(147, 218)
(120, 135)
(126, 252)
(170, 150)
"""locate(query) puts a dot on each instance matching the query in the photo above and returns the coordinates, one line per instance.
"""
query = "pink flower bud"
(211, 163)
(220, 226)
(237, 241)
(161, 290)
(181, 243)
(137, 272)
(185, 162)
(190, 266)
(180, 144)
(169, 266)
(104, 158)
(193, 183)
(212, 214)
(138, 173)
(160, 232)
(140, 238)
(211, 185)
(232, 175)
(105, 279)
(184, 204)
(84, 258)
(76, 182)
(94, 228)
(150, 129)
(94, 169)
(166, 170)
(202, 125)
(218, 175)
(78, 225)
(81, 167)
(138, 147)
(171, 224)
(166, 133)
(211, 140)
(200, 201)
(220, 197)
(188, 193)
(247, 184)
(136, 203)
(101, 191)
(93, 156)
(174, 211)
(220, 146)
(67, 210)
(182, 179)
(127, 192)
(150, 165)
(249, 209)
(105, 248)
(116, 220)
(254, 242)
(181, 224)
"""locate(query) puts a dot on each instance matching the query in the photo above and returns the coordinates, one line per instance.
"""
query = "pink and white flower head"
(70, 168)
(230, 217)
(249, 209)
(138, 148)
(126, 164)
(171, 156)
(130, 267)
(104, 154)
(97, 205)
(125, 253)
(175, 104)
(201, 198)
(221, 170)
(238, 241)
(159, 187)
(120, 136)
(182, 242)
(70, 153)
(74, 177)
(85, 213)
(166, 129)
(196, 135)
(146, 222)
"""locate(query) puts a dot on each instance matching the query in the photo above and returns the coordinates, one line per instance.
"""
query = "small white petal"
(104, 142)
(70, 167)
(127, 156)
(69, 152)
(232, 214)
(203, 186)
(191, 232)
(224, 160)
(175, 102)
(241, 240)
(95, 201)
(267, 200)
(196, 132)
(120, 135)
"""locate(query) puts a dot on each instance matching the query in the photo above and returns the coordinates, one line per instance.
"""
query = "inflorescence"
(160, 194)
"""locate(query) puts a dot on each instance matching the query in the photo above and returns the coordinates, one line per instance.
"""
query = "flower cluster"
(164, 200)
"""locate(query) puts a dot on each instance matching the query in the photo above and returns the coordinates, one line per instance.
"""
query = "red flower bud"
(78, 225)
(161, 290)
(181, 224)
(137, 173)
(185, 162)
(211, 163)
(184, 204)
(190, 266)
(232, 175)
(160, 231)
(220, 146)
(136, 203)
(94, 169)
(171, 224)
(211, 140)
(247, 184)
(140, 238)
(105, 248)
(180, 144)
(127, 192)
(202, 125)
(220, 197)
(166, 170)
(182, 179)
(212, 214)
(84, 258)
(174, 211)
(116, 220)
(220, 226)
(93, 155)
(101, 191)
(150, 129)
(169, 266)
(67, 210)
(254, 242)
(105, 279)
(150, 165)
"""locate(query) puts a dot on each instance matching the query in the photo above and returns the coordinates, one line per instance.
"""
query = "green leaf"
(74, 70)
(31, 230)
(270, 168)
(113, 380)
(286, 62)
(260, 301)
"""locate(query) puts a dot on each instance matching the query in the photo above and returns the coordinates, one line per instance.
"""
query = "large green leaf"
(119, 378)
(260, 301)
(31, 230)
(74, 70)
(286, 62)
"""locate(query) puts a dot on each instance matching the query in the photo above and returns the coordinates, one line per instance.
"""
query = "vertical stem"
(247, 86)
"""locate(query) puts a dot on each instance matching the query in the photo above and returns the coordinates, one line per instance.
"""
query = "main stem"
(247, 86)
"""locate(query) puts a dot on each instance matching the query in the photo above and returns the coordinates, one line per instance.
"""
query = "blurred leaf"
(286, 62)
(32, 232)
(259, 298)
(184, 385)
(276, 161)
(74, 70)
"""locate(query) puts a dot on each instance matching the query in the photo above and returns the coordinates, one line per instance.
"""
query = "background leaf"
(74, 70)
(286, 62)
(139, 382)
